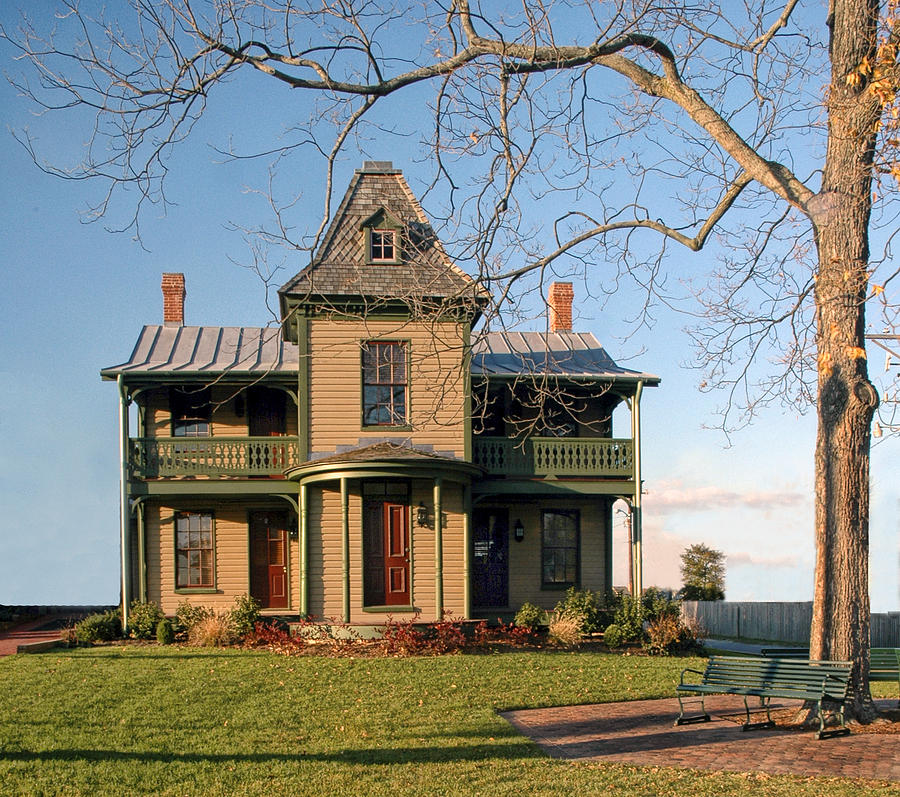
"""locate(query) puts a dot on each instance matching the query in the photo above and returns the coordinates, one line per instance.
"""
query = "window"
(383, 246)
(384, 384)
(194, 550)
(559, 547)
(191, 411)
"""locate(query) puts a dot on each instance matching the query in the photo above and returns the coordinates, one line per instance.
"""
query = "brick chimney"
(559, 300)
(173, 299)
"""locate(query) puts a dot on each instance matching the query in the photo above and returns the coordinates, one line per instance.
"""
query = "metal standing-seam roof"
(565, 354)
(179, 350)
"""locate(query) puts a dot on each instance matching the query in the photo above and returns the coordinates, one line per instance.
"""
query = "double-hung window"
(559, 547)
(194, 550)
(383, 246)
(191, 412)
(384, 376)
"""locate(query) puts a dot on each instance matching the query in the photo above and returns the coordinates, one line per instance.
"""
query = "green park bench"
(821, 682)
(884, 665)
(785, 653)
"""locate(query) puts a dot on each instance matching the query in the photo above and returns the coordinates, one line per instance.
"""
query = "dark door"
(268, 559)
(490, 557)
(386, 554)
(266, 411)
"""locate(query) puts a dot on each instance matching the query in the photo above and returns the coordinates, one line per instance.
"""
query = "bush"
(629, 618)
(99, 627)
(530, 616)
(581, 603)
(275, 638)
(213, 631)
(143, 619)
(187, 615)
(613, 636)
(564, 629)
(165, 634)
(663, 634)
(244, 615)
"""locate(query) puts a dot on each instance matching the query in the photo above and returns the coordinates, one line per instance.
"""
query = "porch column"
(636, 530)
(345, 546)
(438, 551)
(124, 509)
(467, 546)
(304, 554)
(142, 553)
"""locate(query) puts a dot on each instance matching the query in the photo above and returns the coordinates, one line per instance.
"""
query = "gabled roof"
(570, 355)
(339, 267)
(206, 351)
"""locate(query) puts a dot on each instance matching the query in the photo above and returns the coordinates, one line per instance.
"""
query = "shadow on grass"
(399, 755)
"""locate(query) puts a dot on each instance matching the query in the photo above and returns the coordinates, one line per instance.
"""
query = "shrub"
(244, 614)
(663, 634)
(187, 615)
(564, 629)
(165, 634)
(99, 627)
(581, 603)
(510, 634)
(613, 636)
(444, 637)
(629, 618)
(530, 616)
(213, 631)
(275, 638)
(143, 619)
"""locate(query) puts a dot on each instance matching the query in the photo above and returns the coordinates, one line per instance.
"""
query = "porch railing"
(212, 456)
(555, 457)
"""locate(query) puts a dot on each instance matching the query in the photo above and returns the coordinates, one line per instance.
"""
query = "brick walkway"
(30, 632)
(641, 733)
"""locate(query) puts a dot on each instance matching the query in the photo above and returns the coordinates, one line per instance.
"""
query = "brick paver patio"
(641, 733)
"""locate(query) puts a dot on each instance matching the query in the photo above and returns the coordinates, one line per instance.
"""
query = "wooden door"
(490, 558)
(396, 554)
(267, 412)
(269, 559)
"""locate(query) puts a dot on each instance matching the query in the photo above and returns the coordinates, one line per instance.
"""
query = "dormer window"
(381, 237)
(383, 246)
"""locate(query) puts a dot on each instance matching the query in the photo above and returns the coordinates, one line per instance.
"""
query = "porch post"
(438, 552)
(636, 529)
(345, 546)
(142, 553)
(304, 554)
(124, 509)
(467, 545)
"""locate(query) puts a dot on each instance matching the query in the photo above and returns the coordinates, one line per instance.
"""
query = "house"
(374, 455)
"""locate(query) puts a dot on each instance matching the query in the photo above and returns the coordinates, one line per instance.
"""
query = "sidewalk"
(38, 634)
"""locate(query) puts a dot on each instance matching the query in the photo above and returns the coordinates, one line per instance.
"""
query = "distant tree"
(703, 573)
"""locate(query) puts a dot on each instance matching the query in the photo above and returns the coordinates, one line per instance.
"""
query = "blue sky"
(75, 297)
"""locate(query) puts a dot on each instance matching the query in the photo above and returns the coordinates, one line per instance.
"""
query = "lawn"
(147, 719)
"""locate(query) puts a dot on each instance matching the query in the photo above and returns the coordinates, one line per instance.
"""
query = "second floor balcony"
(212, 457)
(555, 457)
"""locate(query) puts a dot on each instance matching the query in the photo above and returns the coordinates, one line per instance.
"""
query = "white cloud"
(744, 559)
(669, 496)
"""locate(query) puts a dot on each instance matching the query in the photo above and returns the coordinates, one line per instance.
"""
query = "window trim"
(562, 585)
(405, 424)
(194, 588)
(383, 222)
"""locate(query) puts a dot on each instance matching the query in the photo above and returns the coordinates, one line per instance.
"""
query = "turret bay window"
(191, 411)
(194, 550)
(559, 547)
(385, 381)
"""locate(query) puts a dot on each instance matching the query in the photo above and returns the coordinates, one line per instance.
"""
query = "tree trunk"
(846, 397)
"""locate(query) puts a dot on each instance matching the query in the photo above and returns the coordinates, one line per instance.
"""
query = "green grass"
(134, 720)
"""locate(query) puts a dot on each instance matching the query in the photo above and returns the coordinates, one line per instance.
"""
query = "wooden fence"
(777, 621)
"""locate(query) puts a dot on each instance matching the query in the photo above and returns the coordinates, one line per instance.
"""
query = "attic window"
(383, 246)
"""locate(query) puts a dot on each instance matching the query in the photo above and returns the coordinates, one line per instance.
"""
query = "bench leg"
(841, 730)
(702, 717)
(756, 726)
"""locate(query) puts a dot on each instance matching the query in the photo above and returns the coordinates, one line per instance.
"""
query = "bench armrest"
(696, 672)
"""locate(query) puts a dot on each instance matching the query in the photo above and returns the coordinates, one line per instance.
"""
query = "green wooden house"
(376, 454)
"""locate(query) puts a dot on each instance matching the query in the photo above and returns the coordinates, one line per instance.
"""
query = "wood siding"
(436, 384)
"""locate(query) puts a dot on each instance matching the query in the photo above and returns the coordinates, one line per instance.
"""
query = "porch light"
(519, 531)
(421, 514)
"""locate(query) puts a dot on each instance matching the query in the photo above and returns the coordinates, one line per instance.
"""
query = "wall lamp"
(421, 514)
(519, 531)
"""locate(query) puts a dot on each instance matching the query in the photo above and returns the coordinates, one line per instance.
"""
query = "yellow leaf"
(856, 353)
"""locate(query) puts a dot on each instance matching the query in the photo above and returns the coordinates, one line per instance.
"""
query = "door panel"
(396, 560)
(490, 558)
(268, 559)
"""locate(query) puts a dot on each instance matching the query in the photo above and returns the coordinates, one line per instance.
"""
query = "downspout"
(142, 552)
(345, 547)
(438, 553)
(124, 513)
(636, 524)
(467, 546)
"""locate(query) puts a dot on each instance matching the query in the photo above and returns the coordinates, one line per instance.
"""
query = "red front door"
(268, 559)
(396, 555)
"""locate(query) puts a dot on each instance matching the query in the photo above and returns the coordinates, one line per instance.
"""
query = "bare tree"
(752, 128)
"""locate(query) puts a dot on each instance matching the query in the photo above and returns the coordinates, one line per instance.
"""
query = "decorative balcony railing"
(555, 457)
(153, 457)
